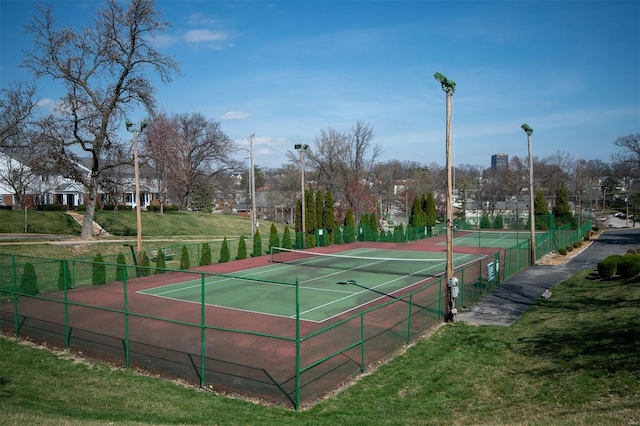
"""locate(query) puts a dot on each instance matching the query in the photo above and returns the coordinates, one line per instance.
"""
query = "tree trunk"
(87, 223)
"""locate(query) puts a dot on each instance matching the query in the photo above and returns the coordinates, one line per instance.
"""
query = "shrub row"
(627, 266)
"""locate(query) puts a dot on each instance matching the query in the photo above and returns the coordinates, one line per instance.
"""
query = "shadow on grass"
(598, 331)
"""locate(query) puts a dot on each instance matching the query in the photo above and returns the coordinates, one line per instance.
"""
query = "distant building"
(499, 161)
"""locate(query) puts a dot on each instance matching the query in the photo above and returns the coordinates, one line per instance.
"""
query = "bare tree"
(103, 68)
(16, 111)
(117, 178)
(18, 176)
(327, 161)
(192, 148)
(342, 162)
(629, 158)
(155, 148)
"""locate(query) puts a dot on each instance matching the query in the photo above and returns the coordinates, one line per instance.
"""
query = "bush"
(64, 276)
(185, 263)
(273, 237)
(29, 280)
(242, 248)
(286, 238)
(169, 208)
(562, 251)
(120, 269)
(205, 259)
(52, 208)
(224, 251)
(146, 271)
(99, 271)
(577, 244)
(629, 265)
(498, 222)
(257, 244)
(608, 267)
(161, 263)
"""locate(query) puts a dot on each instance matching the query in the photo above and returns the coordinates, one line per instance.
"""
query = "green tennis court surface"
(492, 239)
(329, 285)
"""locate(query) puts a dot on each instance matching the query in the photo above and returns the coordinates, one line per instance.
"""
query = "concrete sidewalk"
(504, 305)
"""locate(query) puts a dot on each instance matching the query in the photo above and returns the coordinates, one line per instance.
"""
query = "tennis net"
(384, 265)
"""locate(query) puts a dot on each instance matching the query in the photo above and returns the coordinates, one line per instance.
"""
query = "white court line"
(285, 266)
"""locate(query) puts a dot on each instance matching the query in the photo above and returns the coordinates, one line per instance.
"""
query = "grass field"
(571, 359)
(158, 231)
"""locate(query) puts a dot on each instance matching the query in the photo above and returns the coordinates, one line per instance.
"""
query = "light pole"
(302, 148)
(135, 130)
(406, 212)
(252, 178)
(449, 86)
(532, 256)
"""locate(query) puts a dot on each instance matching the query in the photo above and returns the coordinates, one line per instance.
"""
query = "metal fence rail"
(96, 308)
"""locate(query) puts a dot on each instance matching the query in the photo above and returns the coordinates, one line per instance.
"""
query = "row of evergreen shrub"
(626, 266)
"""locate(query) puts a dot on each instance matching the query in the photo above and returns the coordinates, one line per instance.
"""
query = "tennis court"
(493, 239)
(329, 284)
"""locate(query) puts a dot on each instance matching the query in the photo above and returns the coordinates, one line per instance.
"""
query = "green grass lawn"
(158, 230)
(572, 359)
(123, 224)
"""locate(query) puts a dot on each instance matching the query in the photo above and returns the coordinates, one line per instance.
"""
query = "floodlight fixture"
(447, 85)
(528, 130)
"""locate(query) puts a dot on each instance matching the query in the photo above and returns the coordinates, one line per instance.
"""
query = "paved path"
(504, 305)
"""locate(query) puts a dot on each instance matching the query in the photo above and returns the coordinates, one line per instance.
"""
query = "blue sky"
(284, 70)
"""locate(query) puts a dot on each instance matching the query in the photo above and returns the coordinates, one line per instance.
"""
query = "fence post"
(202, 331)
(126, 319)
(15, 294)
(409, 319)
(67, 331)
(362, 350)
(297, 403)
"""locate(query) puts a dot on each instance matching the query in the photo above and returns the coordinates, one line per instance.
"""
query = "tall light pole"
(302, 148)
(532, 217)
(135, 130)
(252, 178)
(449, 86)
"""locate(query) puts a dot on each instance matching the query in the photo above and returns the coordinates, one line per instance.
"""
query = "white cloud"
(48, 104)
(235, 115)
(160, 41)
(199, 36)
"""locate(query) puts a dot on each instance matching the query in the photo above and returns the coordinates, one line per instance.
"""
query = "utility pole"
(252, 178)
(532, 249)
(131, 128)
(449, 86)
(302, 148)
